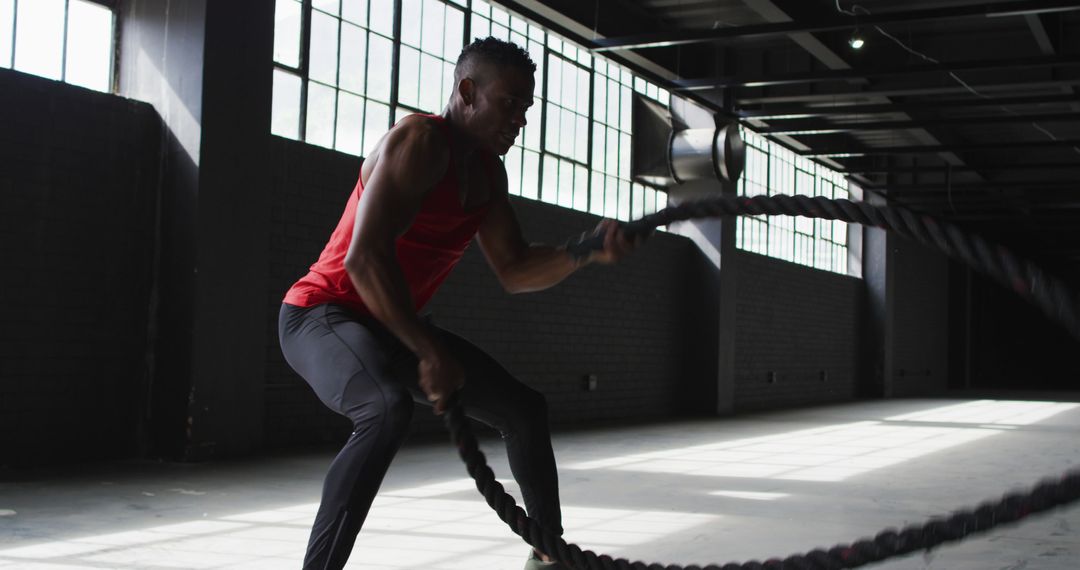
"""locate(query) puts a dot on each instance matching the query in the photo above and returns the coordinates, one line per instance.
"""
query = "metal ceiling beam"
(775, 113)
(553, 20)
(1047, 45)
(966, 187)
(916, 91)
(1019, 213)
(815, 48)
(758, 31)
(823, 53)
(817, 127)
(849, 74)
(957, 169)
(1038, 30)
(935, 148)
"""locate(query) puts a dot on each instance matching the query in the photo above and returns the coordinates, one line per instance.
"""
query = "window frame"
(554, 45)
(111, 5)
(768, 243)
(550, 53)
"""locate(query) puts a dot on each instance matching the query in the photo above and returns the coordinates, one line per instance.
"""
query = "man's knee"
(391, 411)
(398, 409)
(535, 402)
(531, 411)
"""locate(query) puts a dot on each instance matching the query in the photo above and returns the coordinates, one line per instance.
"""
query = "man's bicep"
(500, 236)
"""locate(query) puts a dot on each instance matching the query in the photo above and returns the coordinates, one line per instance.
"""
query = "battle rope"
(1030, 282)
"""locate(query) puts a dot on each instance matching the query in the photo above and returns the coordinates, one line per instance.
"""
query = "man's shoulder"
(426, 127)
(419, 139)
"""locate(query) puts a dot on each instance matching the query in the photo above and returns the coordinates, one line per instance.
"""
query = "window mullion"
(468, 35)
(305, 64)
(114, 60)
(63, 45)
(295, 70)
(589, 133)
(395, 60)
(14, 30)
(813, 222)
(543, 123)
(569, 159)
(337, 80)
(768, 192)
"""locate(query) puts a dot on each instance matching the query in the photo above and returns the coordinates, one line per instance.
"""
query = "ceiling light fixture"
(856, 41)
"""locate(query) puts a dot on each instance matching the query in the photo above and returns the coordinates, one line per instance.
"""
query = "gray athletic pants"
(361, 371)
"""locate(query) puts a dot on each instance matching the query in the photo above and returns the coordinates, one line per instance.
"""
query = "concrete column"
(161, 62)
(713, 386)
(878, 273)
(729, 271)
(233, 231)
(207, 68)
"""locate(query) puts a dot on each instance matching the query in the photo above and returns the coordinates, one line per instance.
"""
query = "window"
(334, 69)
(432, 35)
(772, 169)
(614, 195)
(332, 64)
(566, 129)
(66, 40)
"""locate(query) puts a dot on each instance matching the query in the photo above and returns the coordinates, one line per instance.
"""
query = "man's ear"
(467, 90)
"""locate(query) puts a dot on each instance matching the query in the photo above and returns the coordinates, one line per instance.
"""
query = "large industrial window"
(772, 169)
(566, 132)
(332, 72)
(432, 35)
(334, 69)
(66, 40)
(614, 195)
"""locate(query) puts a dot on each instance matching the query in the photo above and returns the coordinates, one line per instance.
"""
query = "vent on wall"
(666, 151)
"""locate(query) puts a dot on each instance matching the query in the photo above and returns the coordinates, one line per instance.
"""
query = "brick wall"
(79, 173)
(622, 323)
(1014, 345)
(309, 186)
(79, 181)
(793, 323)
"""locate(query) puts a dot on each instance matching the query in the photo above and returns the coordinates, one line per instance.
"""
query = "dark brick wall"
(622, 323)
(79, 173)
(308, 189)
(792, 323)
(1014, 345)
(79, 184)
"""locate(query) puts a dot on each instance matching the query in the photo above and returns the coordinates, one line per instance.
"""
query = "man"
(350, 326)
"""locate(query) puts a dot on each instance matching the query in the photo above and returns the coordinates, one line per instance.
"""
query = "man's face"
(499, 106)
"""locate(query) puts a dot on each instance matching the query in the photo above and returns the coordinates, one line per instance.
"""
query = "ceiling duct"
(667, 151)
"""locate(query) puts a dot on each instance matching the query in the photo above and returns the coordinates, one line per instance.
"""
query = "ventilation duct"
(666, 151)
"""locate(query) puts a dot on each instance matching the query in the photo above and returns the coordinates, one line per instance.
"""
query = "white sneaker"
(534, 563)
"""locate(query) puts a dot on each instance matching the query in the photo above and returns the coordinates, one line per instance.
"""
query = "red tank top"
(427, 251)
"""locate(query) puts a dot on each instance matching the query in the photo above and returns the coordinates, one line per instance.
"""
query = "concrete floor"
(686, 492)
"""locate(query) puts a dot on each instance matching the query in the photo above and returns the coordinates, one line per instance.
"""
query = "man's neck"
(465, 145)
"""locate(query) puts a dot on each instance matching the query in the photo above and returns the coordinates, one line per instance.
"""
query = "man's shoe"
(534, 563)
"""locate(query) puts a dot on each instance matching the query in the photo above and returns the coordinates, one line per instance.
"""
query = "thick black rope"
(1030, 282)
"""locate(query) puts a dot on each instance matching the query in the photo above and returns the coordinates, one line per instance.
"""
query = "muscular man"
(350, 326)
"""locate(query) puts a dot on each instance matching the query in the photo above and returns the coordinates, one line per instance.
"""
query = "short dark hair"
(492, 50)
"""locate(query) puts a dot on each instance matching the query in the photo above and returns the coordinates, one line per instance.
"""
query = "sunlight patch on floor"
(416, 527)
